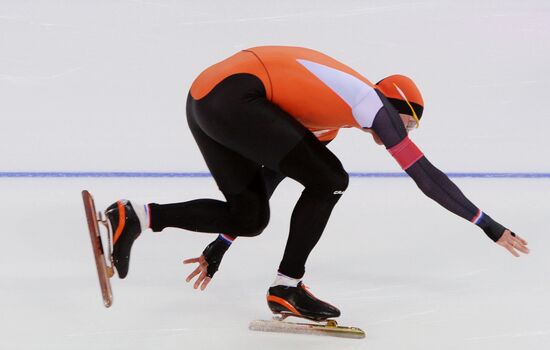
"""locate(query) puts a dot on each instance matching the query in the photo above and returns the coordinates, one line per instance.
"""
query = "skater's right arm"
(434, 183)
(209, 261)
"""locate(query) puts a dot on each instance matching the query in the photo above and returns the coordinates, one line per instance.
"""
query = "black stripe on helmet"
(403, 107)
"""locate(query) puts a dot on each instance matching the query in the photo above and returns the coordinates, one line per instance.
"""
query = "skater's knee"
(253, 229)
(332, 180)
(252, 225)
(250, 214)
(337, 179)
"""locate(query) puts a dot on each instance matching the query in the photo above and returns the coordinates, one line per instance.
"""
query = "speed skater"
(267, 113)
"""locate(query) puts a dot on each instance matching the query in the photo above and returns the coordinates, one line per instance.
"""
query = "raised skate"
(103, 260)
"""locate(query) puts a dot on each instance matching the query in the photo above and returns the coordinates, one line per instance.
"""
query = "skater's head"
(403, 94)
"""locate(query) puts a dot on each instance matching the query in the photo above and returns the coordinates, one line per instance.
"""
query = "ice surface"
(81, 81)
(401, 268)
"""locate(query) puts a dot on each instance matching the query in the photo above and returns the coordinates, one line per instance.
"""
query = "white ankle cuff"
(282, 280)
(142, 212)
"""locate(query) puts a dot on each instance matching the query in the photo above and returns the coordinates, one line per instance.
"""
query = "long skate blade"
(103, 270)
(329, 329)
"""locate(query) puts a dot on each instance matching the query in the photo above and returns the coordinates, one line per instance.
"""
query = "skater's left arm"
(209, 262)
(434, 183)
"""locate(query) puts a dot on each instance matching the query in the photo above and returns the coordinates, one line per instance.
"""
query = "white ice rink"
(101, 86)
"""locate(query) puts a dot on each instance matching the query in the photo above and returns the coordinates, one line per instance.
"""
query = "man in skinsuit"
(267, 113)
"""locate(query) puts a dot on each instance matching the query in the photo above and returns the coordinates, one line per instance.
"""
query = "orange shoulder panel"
(300, 93)
(281, 53)
(241, 62)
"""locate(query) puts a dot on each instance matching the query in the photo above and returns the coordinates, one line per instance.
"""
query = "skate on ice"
(286, 301)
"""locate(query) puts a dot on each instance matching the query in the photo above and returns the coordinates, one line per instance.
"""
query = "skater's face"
(409, 122)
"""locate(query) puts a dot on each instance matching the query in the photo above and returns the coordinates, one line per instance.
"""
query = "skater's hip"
(237, 114)
(243, 62)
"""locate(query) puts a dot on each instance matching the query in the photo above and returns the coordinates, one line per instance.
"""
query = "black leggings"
(250, 145)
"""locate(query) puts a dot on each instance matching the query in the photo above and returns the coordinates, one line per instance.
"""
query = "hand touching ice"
(513, 243)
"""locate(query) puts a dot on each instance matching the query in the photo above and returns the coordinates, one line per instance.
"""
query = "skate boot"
(125, 227)
(298, 301)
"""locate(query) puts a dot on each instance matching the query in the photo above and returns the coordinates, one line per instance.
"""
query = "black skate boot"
(125, 228)
(298, 301)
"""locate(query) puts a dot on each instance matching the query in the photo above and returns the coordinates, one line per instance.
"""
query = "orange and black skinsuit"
(267, 113)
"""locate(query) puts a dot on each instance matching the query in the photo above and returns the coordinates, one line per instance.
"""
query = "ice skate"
(298, 302)
(122, 227)
(125, 228)
(102, 258)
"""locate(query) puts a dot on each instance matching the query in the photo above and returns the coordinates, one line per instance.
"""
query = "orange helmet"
(403, 94)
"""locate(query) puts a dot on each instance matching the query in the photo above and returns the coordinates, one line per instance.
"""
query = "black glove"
(213, 254)
(492, 228)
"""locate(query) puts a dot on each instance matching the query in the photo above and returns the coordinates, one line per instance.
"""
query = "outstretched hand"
(209, 262)
(513, 243)
(201, 270)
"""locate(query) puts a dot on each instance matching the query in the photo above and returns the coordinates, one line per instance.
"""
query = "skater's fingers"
(519, 245)
(513, 243)
(192, 260)
(199, 280)
(193, 274)
(522, 249)
(513, 239)
(511, 250)
(506, 237)
(205, 283)
(524, 242)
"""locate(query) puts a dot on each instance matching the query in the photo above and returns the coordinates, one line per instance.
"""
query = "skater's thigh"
(271, 179)
(232, 172)
(237, 114)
